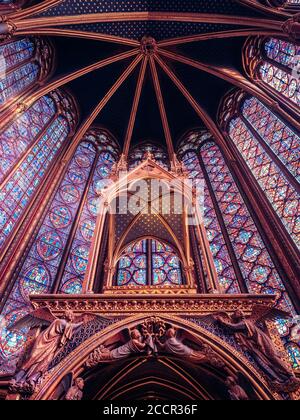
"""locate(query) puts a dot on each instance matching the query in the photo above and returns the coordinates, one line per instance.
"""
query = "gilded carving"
(48, 342)
(75, 393)
(262, 349)
(152, 338)
(185, 304)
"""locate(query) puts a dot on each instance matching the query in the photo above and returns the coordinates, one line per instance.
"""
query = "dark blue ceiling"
(157, 30)
(74, 53)
(71, 7)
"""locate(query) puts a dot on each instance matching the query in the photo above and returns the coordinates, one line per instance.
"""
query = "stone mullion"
(270, 227)
(239, 276)
(68, 246)
(271, 154)
(31, 224)
(25, 155)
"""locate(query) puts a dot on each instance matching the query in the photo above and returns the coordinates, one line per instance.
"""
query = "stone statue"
(135, 345)
(75, 393)
(260, 346)
(45, 346)
(174, 346)
(236, 392)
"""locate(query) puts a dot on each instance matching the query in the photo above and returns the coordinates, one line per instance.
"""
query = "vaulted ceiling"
(212, 32)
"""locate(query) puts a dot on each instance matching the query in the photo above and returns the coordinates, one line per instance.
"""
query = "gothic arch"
(271, 63)
(165, 225)
(230, 110)
(75, 361)
(26, 64)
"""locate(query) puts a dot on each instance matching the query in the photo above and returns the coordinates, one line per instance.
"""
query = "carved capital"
(7, 28)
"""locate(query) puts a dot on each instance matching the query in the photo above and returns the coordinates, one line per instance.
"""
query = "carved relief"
(236, 392)
(259, 345)
(75, 393)
(185, 304)
(56, 334)
(154, 338)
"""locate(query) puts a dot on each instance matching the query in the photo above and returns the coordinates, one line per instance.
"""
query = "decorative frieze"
(118, 305)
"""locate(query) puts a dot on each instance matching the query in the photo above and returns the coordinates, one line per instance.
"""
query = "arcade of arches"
(149, 200)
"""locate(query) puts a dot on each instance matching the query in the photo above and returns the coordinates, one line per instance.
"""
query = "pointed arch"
(29, 146)
(270, 149)
(57, 255)
(24, 63)
(272, 63)
(149, 262)
(234, 360)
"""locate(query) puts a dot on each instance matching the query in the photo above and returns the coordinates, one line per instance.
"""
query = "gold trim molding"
(117, 305)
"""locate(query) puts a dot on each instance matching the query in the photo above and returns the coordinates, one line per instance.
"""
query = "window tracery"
(24, 62)
(270, 149)
(237, 246)
(28, 147)
(139, 153)
(273, 63)
(58, 254)
(149, 262)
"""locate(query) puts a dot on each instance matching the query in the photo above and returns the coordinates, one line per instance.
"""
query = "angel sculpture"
(135, 346)
(174, 346)
(260, 346)
(45, 346)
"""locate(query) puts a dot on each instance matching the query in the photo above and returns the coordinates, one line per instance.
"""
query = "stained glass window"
(281, 51)
(281, 81)
(16, 52)
(15, 82)
(280, 192)
(223, 264)
(278, 68)
(166, 265)
(138, 154)
(77, 260)
(22, 132)
(229, 225)
(253, 258)
(133, 267)
(19, 67)
(57, 258)
(32, 141)
(283, 141)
